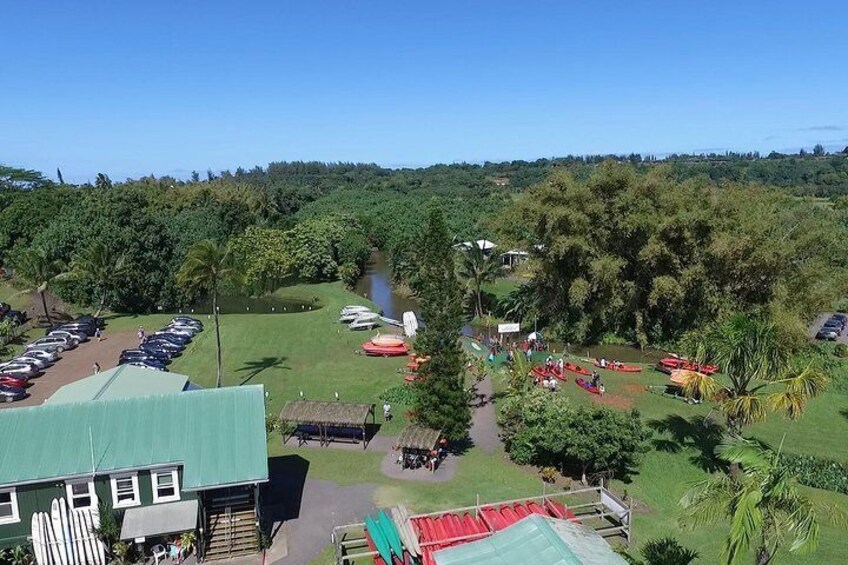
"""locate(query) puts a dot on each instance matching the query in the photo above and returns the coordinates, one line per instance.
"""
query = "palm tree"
(37, 267)
(761, 378)
(102, 181)
(761, 503)
(101, 265)
(207, 265)
(477, 268)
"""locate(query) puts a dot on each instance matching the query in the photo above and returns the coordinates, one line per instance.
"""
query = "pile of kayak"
(669, 364)
(385, 346)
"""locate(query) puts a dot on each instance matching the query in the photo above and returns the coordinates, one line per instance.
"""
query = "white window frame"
(175, 476)
(136, 500)
(70, 493)
(16, 516)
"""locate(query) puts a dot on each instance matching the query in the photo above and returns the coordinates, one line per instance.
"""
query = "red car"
(13, 381)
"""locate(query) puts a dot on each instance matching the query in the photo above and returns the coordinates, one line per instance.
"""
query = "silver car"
(50, 352)
(13, 368)
(60, 343)
(24, 358)
(70, 335)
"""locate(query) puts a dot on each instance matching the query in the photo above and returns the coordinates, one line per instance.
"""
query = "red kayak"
(669, 364)
(384, 350)
(587, 386)
(576, 369)
(546, 373)
(620, 368)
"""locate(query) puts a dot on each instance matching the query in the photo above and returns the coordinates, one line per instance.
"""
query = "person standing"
(96, 367)
(98, 333)
(140, 335)
(387, 411)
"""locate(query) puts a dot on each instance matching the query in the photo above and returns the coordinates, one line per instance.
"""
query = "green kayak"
(391, 533)
(379, 539)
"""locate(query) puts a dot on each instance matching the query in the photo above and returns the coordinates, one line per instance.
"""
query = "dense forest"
(628, 245)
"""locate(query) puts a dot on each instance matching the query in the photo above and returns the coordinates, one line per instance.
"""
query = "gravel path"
(484, 426)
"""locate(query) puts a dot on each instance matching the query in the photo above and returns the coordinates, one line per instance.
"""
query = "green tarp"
(535, 540)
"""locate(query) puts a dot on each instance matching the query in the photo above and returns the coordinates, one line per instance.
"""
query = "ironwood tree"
(442, 400)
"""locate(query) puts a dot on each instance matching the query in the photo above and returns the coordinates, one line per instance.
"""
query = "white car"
(13, 368)
(43, 354)
(60, 343)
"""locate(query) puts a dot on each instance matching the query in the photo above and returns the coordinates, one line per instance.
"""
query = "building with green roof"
(124, 381)
(166, 460)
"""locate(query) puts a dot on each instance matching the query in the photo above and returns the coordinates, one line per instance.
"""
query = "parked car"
(74, 327)
(61, 343)
(164, 342)
(156, 351)
(172, 337)
(86, 318)
(11, 393)
(16, 369)
(79, 337)
(40, 363)
(186, 321)
(146, 365)
(187, 331)
(43, 354)
(139, 355)
(834, 325)
(829, 334)
(44, 348)
(10, 380)
(842, 317)
(160, 355)
(4, 307)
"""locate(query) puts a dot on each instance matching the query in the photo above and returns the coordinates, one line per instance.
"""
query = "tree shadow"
(460, 447)
(253, 368)
(844, 413)
(698, 432)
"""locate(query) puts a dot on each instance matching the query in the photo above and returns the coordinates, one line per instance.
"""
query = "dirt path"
(484, 426)
(75, 365)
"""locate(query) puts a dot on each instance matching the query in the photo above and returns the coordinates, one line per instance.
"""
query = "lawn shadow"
(283, 493)
(698, 432)
(253, 368)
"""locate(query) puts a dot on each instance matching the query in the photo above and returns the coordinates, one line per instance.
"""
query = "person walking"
(140, 335)
(387, 411)
(96, 367)
(98, 333)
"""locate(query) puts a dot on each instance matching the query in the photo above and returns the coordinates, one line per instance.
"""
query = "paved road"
(75, 365)
(484, 426)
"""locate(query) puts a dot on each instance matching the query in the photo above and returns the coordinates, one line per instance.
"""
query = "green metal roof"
(533, 540)
(124, 381)
(217, 435)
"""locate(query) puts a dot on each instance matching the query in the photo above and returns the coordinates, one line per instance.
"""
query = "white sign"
(508, 328)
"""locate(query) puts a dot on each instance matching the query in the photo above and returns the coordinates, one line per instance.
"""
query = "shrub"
(402, 394)
(349, 274)
(272, 423)
(549, 474)
(840, 350)
(818, 472)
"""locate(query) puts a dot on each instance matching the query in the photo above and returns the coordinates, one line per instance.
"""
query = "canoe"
(571, 367)
(410, 378)
(52, 539)
(380, 541)
(388, 340)
(391, 532)
(69, 535)
(59, 532)
(586, 385)
(668, 364)
(377, 350)
(620, 368)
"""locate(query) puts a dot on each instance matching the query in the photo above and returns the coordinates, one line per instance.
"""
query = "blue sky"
(132, 88)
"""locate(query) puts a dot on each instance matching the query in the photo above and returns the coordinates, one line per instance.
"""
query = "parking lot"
(821, 319)
(75, 365)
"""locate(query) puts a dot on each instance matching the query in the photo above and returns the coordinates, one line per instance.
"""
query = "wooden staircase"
(231, 525)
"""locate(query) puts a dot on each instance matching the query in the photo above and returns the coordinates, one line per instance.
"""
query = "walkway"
(484, 425)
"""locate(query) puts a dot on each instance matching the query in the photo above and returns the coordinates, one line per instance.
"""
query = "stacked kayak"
(373, 350)
(587, 386)
(669, 364)
(571, 367)
(388, 340)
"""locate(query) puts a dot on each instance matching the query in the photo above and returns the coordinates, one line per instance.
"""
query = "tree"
(761, 503)
(59, 175)
(519, 304)
(207, 266)
(477, 268)
(442, 401)
(37, 267)
(818, 150)
(755, 359)
(195, 176)
(662, 551)
(103, 181)
(103, 267)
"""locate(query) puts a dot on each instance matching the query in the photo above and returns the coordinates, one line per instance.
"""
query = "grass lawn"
(311, 352)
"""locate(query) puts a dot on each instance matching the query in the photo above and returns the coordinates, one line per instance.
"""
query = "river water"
(375, 285)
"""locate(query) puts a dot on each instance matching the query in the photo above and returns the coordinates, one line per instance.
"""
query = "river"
(376, 286)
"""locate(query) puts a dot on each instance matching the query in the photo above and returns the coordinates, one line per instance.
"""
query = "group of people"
(597, 384)
(429, 460)
(549, 383)
(615, 364)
